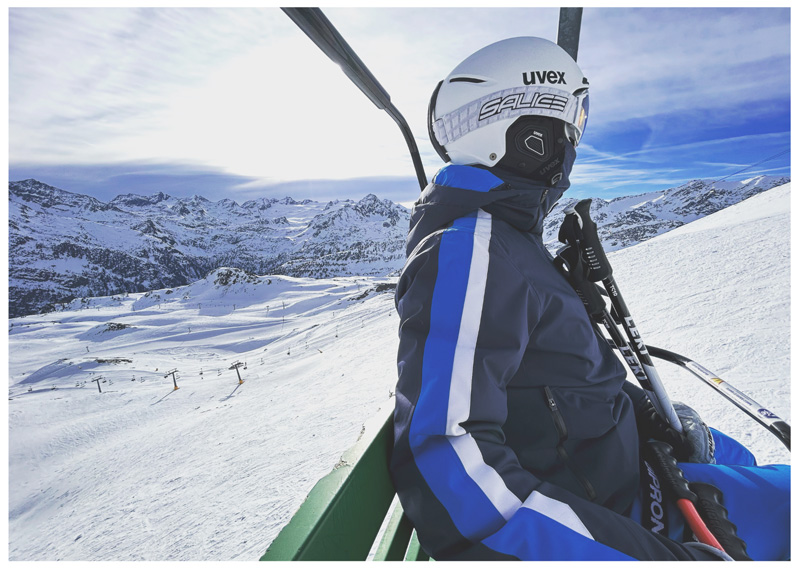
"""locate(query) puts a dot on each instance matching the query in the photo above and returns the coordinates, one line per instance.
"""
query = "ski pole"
(589, 293)
(578, 229)
(660, 455)
(761, 414)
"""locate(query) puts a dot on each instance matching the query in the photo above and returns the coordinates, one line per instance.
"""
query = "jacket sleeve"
(461, 486)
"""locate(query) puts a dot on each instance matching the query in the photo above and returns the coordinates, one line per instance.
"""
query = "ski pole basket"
(352, 512)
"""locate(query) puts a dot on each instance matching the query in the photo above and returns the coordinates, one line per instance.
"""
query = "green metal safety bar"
(344, 512)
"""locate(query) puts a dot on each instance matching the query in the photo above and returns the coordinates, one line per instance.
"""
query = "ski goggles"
(514, 102)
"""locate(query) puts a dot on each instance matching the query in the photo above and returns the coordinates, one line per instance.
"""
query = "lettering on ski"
(766, 413)
(629, 323)
(516, 101)
(541, 77)
(702, 370)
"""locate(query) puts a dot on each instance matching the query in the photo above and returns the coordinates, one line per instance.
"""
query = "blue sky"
(239, 104)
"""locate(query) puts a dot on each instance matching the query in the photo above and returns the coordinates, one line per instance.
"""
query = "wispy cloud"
(243, 93)
(654, 153)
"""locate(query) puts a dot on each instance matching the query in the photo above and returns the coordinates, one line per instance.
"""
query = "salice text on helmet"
(546, 101)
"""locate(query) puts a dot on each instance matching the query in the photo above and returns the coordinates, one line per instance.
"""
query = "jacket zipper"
(561, 428)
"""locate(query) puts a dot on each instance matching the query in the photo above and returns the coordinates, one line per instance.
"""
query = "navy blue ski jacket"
(513, 436)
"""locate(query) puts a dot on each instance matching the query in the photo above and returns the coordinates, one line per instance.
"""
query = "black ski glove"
(695, 444)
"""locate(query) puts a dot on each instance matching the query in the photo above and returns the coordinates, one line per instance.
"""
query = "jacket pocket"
(563, 435)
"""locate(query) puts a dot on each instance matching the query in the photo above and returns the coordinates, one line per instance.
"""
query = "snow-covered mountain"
(213, 470)
(64, 246)
(625, 221)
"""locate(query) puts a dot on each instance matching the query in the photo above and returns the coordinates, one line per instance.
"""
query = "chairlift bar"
(323, 33)
(569, 30)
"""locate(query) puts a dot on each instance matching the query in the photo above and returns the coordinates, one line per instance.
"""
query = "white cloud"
(245, 92)
(645, 62)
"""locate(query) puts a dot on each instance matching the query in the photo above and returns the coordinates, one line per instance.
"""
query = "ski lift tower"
(173, 372)
(236, 366)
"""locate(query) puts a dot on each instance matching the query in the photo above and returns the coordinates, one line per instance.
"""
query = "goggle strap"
(510, 103)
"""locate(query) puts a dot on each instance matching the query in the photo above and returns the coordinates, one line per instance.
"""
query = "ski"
(325, 35)
(761, 414)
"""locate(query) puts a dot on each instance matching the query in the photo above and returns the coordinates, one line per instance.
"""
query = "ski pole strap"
(659, 454)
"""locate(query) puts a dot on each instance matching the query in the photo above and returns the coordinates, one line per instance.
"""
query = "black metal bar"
(569, 30)
(760, 414)
(325, 35)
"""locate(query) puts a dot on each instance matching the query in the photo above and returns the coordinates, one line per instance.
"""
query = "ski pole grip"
(569, 259)
(715, 515)
(595, 256)
(659, 454)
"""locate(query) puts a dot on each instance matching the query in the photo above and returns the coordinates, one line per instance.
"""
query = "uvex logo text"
(541, 77)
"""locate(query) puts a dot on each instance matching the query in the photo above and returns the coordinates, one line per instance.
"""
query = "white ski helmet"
(473, 108)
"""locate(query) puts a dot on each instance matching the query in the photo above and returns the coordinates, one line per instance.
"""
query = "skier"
(516, 433)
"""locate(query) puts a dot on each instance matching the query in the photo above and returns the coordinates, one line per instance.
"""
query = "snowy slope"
(209, 471)
(718, 290)
(213, 470)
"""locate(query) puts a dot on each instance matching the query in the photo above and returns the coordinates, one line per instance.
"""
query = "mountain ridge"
(65, 245)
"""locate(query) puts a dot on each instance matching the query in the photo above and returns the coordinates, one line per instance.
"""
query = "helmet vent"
(466, 80)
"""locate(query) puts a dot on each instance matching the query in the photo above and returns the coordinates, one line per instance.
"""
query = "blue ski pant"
(757, 498)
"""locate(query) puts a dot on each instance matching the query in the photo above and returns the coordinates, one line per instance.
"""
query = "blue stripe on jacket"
(471, 511)
(527, 534)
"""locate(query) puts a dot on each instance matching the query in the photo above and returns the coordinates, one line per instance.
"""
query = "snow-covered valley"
(214, 469)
